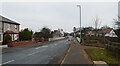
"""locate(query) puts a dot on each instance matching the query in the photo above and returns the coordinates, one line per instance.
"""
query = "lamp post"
(80, 21)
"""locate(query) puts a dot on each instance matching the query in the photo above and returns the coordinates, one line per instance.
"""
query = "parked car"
(69, 38)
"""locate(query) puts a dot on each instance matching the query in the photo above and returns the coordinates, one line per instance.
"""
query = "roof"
(6, 20)
(106, 30)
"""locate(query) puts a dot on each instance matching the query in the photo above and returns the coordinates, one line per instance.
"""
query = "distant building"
(58, 33)
(10, 27)
(108, 33)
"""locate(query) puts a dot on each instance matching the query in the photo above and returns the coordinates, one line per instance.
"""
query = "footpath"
(76, 55)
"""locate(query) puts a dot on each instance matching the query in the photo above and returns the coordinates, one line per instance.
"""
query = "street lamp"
(80, 21)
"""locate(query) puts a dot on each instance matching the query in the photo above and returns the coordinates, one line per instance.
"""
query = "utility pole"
(80, 22)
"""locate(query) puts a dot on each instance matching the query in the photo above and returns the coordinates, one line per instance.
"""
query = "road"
(50, 53)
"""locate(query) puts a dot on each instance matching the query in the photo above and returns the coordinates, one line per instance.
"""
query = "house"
(109, 32)
(58, 33)
(10, 27)
(91, 33)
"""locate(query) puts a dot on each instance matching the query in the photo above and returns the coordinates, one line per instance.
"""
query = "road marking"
(37, 47)
(45, 46)
(7, 62)
(66, 54)
(41, 46)
(33, 53)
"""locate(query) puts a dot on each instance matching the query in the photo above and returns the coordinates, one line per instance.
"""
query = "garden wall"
(14, 44)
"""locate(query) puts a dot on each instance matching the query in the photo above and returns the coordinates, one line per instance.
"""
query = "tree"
(66, 34)
(97, 23)
(7, 39)
(105, 27)
(46, 32)
(26, 34)
(117, 23)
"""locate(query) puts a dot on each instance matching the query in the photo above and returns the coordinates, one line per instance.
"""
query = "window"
(15, 27)
(8, 26)
(15, 36)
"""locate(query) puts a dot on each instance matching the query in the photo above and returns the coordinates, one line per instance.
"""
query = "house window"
(15, 27)
(15, 36)
(8, 26)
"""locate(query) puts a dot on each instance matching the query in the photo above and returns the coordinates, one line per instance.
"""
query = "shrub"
(8, 39)
(25, 34)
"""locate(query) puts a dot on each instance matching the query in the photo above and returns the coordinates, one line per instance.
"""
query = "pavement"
(76, 55)
(47, 53)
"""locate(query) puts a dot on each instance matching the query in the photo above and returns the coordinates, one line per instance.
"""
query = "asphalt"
(47, 53)
(76, 55)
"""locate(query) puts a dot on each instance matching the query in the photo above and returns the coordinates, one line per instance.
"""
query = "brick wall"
(14, 44)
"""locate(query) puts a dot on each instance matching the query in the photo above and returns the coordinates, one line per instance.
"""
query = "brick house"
(10, 27)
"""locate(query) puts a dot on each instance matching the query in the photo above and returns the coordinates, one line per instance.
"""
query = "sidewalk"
(76, 55)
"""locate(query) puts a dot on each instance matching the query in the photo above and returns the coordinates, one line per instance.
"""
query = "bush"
(8, 39)
(25, 34)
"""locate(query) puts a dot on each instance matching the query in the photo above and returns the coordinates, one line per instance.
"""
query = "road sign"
(74, 29)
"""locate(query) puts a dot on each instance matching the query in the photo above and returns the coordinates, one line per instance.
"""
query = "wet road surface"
(46, 54)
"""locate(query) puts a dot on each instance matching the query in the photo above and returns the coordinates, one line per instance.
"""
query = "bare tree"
(97, 22)
(117, 23)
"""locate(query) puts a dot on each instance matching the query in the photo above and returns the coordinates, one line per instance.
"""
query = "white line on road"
(33, 53)
(37, 47)
(41, 46)
(7, 62)
(45, 46)
(66, 55)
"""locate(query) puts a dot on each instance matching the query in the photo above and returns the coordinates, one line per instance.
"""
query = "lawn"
(102, 55)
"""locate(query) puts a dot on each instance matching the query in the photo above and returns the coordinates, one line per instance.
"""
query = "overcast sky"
(64, 15)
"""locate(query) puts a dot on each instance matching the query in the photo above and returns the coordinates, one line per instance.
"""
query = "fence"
(113, 46)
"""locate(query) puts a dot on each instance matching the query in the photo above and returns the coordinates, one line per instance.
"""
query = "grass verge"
(94, 45)
(102, 55)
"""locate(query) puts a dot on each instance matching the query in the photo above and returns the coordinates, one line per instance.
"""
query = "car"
(69, 38)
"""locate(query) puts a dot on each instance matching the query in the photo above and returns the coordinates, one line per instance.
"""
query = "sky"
(63, 15)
